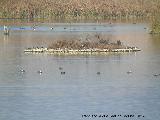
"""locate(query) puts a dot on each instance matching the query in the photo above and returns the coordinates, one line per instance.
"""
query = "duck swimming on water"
(156, 75)
(129, 72)
(63, 73)
(98, 73)
(60, 68)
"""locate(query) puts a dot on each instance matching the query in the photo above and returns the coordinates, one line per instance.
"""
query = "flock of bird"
(40, 71)
(60, 68)
(63, 72)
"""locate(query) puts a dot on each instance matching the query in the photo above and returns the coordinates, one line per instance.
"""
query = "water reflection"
(80, 90)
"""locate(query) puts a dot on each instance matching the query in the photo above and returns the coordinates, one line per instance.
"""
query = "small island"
(75, 47)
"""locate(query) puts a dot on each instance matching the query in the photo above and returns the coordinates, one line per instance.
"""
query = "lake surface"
(80, 91)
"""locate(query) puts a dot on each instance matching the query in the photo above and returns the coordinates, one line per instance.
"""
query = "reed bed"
(69, 9)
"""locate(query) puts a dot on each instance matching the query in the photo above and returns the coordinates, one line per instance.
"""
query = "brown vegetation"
(156, 21)
(76, 8)
(77, 44)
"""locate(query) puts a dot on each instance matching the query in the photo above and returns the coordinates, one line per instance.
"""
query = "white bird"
(129, 72)
(40, 72)
(22, 70)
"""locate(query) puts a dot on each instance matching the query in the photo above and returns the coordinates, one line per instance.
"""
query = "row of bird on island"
(63, 72)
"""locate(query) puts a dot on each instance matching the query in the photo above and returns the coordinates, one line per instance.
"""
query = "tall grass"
(156, 21)
(77, 8)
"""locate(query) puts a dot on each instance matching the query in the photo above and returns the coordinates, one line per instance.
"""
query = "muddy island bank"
(76, 47)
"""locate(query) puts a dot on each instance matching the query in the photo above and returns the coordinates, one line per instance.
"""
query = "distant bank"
(70, 9)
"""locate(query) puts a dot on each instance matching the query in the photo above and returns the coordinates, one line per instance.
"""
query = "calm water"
(52, 96)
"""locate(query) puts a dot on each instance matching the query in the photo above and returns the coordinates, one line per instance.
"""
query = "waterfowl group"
(39, 71)
(63, 73)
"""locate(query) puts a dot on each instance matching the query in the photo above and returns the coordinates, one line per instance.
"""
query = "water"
(55, 96)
